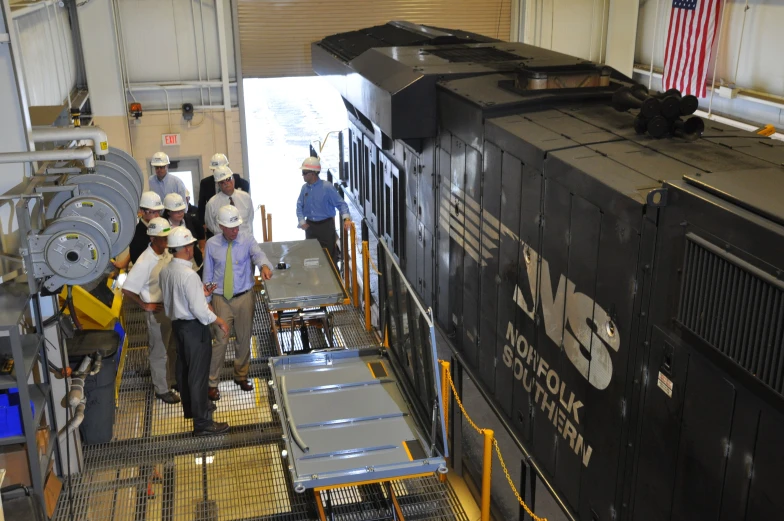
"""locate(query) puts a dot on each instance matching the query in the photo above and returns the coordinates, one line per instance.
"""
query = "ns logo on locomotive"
(572, 320)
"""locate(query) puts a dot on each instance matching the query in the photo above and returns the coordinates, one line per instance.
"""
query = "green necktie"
(228, 276)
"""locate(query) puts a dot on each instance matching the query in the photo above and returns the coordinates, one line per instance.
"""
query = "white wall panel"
(164, 43)
(574, 27)
(47, 50)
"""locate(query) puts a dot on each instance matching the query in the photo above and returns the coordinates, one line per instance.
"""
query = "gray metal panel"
(427, 200)
(301, 285)
(527, 140)
(770, 150)
(352, 424)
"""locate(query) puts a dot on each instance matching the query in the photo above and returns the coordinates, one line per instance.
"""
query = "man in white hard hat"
(316, 207)
(185, 302)
(143, 287)
(150, 207)
(174, 212)
(161, 182)
(228, 262)
(192, 210)
(229, 195)
(208, 187)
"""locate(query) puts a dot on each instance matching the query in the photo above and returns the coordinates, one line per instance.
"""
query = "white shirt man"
(143, 287)
(229, 196)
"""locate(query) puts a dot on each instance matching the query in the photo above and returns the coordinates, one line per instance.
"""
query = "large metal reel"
(71, 250)
(121, 175)
(105, 214)
(108, 190)
(127, 162)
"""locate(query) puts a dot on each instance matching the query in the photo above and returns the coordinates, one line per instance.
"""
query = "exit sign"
(170, 139)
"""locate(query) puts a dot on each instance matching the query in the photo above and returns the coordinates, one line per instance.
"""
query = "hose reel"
(71, 250)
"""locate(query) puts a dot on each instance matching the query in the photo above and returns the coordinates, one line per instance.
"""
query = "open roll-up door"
(275, 35)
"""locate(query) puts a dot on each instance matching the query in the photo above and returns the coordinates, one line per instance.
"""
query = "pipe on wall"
(94, 134)
(67, 154)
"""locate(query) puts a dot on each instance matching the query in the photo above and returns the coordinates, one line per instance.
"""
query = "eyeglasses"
(306, 172)
(226, 181)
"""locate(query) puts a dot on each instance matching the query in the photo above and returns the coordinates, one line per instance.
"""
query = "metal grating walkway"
(154, 469)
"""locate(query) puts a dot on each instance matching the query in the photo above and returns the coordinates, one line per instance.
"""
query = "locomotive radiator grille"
(735, 308)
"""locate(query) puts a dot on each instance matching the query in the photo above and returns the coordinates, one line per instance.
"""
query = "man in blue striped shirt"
(316, 207)
(161, 182)
(228, 263)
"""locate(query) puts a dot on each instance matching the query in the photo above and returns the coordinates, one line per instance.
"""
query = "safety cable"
(497, 451)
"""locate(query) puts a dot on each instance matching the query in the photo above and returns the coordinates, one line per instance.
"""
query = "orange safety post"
(344, 247)
(487, 473)
(354, 285)
(263, 223)
(366, 283)
(269, 227)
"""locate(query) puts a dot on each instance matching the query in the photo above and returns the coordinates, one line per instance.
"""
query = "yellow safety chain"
(497, 451)
(373, 265)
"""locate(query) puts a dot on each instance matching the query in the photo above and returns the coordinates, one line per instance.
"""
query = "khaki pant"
(237, 312)
(162, 352)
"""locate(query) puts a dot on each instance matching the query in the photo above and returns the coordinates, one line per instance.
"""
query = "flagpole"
(716, 60)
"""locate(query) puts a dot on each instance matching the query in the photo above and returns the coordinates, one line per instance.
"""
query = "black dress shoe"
(244, 385)
(213, 429)
(168, 397)
(213, 394)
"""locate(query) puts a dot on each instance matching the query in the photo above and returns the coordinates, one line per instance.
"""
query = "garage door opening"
(283, 117)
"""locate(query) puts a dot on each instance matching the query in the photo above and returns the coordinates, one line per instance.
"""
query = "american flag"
(693, 25)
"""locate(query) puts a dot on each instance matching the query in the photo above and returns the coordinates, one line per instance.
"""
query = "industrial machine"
(612, 281)
(306, 283)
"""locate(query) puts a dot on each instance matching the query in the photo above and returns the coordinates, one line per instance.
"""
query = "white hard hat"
(180, 236)
(160, 159)
(174, 202)
(151, 201)
(218, 160)
(158, 227)
(312, 164)
(229, 216)
(187, 193)
(222, 173)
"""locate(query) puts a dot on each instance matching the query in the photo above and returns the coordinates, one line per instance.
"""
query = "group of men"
(195, 281)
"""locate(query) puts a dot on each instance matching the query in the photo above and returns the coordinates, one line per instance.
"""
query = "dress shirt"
(183, 293)
(241, 201)
(169, 185)
(318, 201)
(143, 279)
(208, 187)
(245, 253)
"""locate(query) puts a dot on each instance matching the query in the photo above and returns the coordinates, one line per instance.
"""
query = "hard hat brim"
(178, 208)
(229, 225)
(162, 234)
(159, 207)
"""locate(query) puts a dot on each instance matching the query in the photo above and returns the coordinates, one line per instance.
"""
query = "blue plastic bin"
(10, 415)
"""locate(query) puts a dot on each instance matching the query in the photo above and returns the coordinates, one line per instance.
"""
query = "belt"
(321, 221)
(235, 295)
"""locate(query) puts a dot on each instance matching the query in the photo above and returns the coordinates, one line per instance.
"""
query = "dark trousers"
(194, 352)
(324, 232)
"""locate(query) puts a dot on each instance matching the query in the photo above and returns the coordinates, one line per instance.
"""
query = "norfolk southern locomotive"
(619, 295)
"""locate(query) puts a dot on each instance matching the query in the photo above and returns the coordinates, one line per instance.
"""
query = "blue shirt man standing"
(228, 263)
(316, 207)
(161, 182)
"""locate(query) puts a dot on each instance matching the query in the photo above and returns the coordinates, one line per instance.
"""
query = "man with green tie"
(228, 263)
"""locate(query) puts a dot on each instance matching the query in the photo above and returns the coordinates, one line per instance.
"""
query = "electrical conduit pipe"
(94, 134)
(67, 154)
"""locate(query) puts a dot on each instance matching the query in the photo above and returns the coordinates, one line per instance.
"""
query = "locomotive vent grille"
(736, 308)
